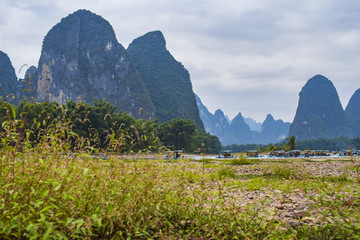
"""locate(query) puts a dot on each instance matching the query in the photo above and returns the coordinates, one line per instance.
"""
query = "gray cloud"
(250, 56)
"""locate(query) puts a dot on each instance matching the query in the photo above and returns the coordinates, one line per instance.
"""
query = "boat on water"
(252, 153)
(225, 154)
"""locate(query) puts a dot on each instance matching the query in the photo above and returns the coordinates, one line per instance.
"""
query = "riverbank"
(79, 196)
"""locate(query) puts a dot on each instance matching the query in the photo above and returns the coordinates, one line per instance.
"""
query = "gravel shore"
(304, 197)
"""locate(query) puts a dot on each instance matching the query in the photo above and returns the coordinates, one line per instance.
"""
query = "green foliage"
(50, 192)
(99, 127)
(226, 173)
(46, 193)
(285, 172)
(243, 161)
(178, 134)
(333, 144)
(209, 143)
(291, 143)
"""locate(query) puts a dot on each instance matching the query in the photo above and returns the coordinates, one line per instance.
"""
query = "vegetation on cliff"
(319, 113)
(166, 80)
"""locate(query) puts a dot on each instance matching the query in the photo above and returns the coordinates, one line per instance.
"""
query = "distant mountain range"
(81, 59)
(319, 115)
(242, 130)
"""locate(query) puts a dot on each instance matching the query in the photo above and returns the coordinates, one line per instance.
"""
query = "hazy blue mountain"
(228, 119)
(238, 131)
(253, 124)
(207, 117)
(274, 131)
(222, 126)
(319, 113)
(352, 112)
(81, 59)
(166, 79)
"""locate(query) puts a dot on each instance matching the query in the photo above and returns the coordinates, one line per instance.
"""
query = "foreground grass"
(81, 197)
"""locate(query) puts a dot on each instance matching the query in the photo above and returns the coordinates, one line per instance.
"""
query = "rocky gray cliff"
(81, 59)
(206, 116)
(166, 79)
(222, 126)
(26, 87)
(352, 112)
(319, 113)
(8, 79)
(12, 89)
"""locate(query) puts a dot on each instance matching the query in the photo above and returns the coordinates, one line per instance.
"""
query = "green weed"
(226, 173)
(243, 161)
(281, 171)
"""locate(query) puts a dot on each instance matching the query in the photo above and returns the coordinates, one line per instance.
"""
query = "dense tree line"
(99, 126)
(287, 145)
(334, 144)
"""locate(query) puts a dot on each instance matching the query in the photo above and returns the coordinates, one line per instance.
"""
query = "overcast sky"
(248, 56)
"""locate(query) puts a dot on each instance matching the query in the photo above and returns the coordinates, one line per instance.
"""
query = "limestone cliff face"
(352, 112)
(319, 113)
(26, 87)
(207, 117)
(166, 79)
(8, 79)
(221, 129)
(81, 59)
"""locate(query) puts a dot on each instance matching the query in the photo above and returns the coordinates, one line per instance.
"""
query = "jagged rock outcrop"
(166, 79)
(222, 126)
(207, 117)
(352, 112)
(81, 59)
(274, 131)
(319, 113)
(26, 87)
(12, 89)
(8, 79)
